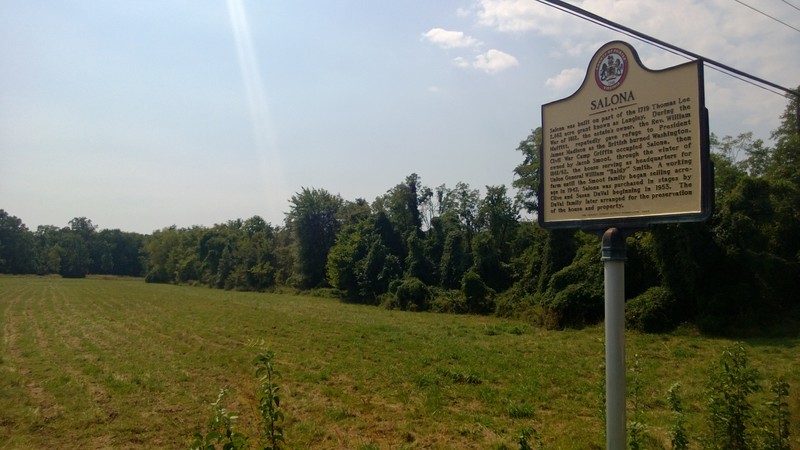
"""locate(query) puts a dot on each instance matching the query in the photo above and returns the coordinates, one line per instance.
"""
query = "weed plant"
(221, 431)
(269, 405)
(776, 426)
(677, 435)
(637, 429)
(729, 408)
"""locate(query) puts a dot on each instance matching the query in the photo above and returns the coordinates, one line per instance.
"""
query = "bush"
(511, 302)
(652, 311)
(577, 305)
(479, 296)
(411, 294)
(575, 293)
(389, 301)
(448, 301)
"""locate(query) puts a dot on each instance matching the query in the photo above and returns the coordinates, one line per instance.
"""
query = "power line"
(767, 15)
(793, 6)
(609, 27)
(736, 73)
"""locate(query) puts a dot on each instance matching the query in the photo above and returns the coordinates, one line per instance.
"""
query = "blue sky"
(145, 114)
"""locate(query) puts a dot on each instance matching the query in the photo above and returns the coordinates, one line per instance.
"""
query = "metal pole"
(613, 257)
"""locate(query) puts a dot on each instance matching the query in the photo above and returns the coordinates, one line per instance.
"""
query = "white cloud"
(494, 61)
(515, 15)
(568, 78)
(450, 39)
(461, 62)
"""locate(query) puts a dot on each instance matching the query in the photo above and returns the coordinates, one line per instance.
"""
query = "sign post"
(613, 257)
(628, 149)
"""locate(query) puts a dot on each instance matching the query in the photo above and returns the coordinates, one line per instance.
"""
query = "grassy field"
(117, 363)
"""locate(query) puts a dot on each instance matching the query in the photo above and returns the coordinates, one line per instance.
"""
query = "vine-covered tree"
(313, 217)
(528, 173)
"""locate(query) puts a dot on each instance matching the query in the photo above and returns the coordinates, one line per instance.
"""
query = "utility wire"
(736, 73)
(609, 27)
(667, 49)
(793, 6)
(767, 15)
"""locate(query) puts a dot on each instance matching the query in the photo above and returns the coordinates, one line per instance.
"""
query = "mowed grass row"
(117, 363)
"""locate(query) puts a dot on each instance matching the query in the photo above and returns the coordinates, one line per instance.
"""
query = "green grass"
(117, 363)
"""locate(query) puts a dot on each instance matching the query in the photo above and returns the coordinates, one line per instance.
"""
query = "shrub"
(652, 311)
(448, 301)
(479, 296)
(511, 302)
(577, 305)
(389, 301)
(412, 294)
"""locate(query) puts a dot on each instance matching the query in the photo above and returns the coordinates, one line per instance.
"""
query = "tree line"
(452, 249)
(72, 251)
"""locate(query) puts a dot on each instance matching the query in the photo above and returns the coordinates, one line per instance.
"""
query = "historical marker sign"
(629, 148)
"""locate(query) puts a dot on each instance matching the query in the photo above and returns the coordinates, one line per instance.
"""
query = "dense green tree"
(256, 255)
(363, 263)
(464, 201)
(528, 173)
(48, 249)
(377, 270)
(479, 296)
(498, 214)
(784, 163)
(186, 259)
(417, 264)
(285, 256)
(727, 169)
(434, 244)
(237, 254)
(74, 255)
(123, 252)
(389, 236)
(456, 259)
(313, 219)
(16, 245)
(575, 292)
(488, 262)
(354, 212)
(350, 248)
(529, 247)
(401, 205)
(160, 247)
